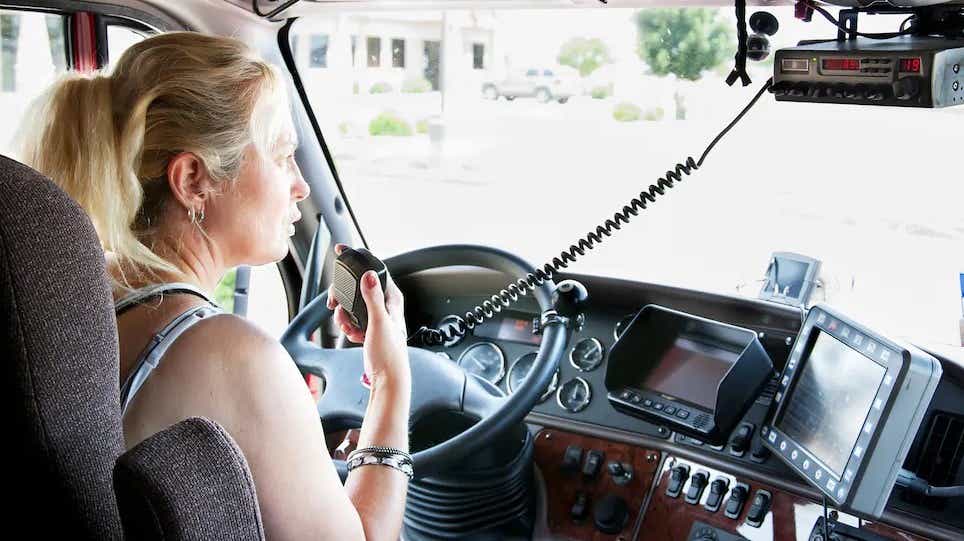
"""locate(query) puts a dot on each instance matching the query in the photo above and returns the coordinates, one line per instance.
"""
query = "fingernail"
(371, 280)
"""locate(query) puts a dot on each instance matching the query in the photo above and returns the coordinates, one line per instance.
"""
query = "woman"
(183, 158)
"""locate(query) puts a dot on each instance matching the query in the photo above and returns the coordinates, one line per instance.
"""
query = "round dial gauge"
(450, 321)
(586, 355)
(621, 326)
(521, 368)
(574, 395)
(485, 360)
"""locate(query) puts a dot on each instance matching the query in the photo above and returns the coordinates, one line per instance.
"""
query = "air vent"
(938, 458)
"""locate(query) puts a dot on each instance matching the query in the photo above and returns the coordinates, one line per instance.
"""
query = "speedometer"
(485, 360)
(520, 370)
(586, 355)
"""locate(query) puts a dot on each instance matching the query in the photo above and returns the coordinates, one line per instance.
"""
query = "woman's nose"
(301, 189)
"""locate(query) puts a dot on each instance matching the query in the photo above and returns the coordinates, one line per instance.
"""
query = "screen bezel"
(846, 332)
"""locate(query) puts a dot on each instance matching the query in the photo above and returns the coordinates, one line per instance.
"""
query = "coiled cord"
(511, 293)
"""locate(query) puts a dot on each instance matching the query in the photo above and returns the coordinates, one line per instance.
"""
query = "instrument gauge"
(485, 360)
(622, 325)
(587, 354)
(520, 370)
(574, 395)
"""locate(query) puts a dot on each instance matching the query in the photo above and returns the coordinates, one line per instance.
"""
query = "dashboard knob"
(838, 90)
(569, 298)
(610, 514)
(907, 88)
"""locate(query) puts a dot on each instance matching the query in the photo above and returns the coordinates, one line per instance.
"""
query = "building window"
(354, 49)
(478, 56)
(374, 51)
(398, 53)
(319, 51)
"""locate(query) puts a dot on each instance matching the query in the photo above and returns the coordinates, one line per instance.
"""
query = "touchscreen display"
(690, 370)
(830, 401)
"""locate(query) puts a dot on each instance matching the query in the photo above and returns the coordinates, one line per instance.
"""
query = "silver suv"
(544, 85)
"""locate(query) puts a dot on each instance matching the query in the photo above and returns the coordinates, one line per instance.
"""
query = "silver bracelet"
(384, 456)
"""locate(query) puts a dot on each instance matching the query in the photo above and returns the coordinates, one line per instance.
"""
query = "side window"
(119, 39)
(33, 51)
(374, 49)
(264, 293)
(319, 51)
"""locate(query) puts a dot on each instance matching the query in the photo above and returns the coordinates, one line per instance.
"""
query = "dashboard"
(576, 411)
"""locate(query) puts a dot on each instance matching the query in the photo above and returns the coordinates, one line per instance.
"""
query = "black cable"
(257, 9)
(739, 71)
(523, 286)
(833, 20)
(913, 483)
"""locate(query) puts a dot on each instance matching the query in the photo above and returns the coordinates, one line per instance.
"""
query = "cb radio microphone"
(350, 266)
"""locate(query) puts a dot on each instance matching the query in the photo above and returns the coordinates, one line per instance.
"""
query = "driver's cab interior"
(764, 342)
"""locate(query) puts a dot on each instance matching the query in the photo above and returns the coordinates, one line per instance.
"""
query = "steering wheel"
(438, 384)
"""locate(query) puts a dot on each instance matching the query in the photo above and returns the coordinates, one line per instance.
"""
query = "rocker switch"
(594, 463)
(677, 478)
(572, 459)
(717, 490)
(734, 505)
(697, 484)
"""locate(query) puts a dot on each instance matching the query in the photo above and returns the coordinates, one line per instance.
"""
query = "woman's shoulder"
(232, 338)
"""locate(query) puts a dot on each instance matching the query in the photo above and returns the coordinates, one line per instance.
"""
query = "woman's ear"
(189, 181)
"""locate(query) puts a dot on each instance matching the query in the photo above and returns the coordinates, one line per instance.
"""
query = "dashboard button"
(734, 505)
(648, 403)
(658, 406)
(758, 509)
(677, 478)
(682, 414)
(572, 458)
(593, 463)
(580, 508)
(670, 410)
(697, 484)
(715, 497)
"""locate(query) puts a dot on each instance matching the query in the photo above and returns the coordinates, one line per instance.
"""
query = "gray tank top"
(150, 358)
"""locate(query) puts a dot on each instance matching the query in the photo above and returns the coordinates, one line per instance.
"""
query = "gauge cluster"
(577, 389)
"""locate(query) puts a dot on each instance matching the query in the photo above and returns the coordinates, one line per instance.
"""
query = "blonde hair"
(106, 139)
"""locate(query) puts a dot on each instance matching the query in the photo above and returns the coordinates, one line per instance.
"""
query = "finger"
(353, 334)
(374, 298)
(394, 299)
(339, 248)
(331, 302)
(342, 318)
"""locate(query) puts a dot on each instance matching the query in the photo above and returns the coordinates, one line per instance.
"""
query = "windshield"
(525, 129)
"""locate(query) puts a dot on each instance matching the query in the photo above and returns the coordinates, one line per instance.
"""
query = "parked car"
(543, 84)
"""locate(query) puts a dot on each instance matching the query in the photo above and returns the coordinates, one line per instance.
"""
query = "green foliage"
(224, 292)
(416, 86)
(653, 114)
(683, 41)
(601, 91)
(626, 112)
(584, 54)
(421, 126)
(380, 87)
(389, 123)
(355, 88)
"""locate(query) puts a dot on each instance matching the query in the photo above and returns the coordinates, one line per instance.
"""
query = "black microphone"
(350, 266)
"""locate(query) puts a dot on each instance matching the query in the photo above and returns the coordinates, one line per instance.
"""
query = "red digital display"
(841, 64)
(910, 65)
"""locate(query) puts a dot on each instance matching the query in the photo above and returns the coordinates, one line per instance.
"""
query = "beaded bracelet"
(385, 456)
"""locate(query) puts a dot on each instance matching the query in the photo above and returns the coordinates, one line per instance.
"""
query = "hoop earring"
(191, 215)
(196, 217)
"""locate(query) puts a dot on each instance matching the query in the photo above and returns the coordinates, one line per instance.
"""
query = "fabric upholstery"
(58, 350)
(188, 482)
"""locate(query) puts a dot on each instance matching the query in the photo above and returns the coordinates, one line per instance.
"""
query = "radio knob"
(907, 88)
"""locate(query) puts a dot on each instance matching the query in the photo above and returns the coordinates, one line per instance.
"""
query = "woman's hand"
(385, 340)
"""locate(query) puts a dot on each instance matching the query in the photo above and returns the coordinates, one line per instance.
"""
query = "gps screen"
(826, 409)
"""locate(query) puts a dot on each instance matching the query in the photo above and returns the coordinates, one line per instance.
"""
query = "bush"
(626, 112)
(601, 92)
(653, 114)
(380, 87)
(421, 126)
(417, 86)
(355, 88)
(389, 123)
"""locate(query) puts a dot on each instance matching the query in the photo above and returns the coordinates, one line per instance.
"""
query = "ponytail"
(106, 140)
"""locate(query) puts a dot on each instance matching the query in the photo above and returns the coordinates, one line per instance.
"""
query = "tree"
(584, 54)
(683, 41)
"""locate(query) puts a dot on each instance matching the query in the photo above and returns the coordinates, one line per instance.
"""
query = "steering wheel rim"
(438, 383)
